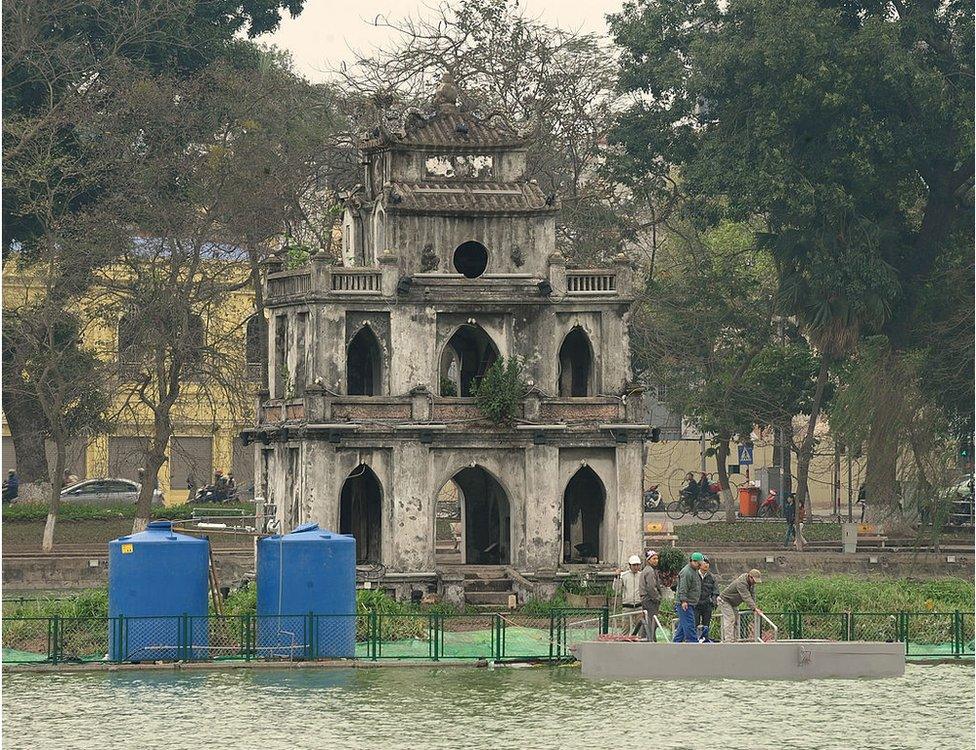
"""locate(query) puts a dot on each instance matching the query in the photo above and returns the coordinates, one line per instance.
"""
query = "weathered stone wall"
(508, 242)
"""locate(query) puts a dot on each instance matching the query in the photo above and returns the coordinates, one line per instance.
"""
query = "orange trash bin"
(748, 501)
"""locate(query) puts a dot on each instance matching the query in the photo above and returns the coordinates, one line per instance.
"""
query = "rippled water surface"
(552, 708)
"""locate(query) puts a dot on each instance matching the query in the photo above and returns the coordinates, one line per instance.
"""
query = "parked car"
(105, 491)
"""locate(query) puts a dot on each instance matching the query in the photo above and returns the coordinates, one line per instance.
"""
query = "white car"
(105, 491)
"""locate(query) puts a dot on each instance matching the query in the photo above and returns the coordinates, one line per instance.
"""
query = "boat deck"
(780, 660)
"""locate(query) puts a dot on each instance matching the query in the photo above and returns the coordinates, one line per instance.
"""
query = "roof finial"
(446, 96)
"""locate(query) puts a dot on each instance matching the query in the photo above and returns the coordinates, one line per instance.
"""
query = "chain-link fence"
(433, 635)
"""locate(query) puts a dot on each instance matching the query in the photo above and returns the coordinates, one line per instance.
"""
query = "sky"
(321, 38)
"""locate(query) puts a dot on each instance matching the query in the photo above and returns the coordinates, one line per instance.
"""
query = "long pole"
(850, 488)
(837, 479)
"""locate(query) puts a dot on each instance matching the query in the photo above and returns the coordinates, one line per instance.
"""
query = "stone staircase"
(487, 587)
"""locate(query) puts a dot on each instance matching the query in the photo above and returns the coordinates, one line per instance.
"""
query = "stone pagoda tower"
(449, 263)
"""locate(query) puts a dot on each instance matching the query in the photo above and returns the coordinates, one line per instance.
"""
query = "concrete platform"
(782, 660)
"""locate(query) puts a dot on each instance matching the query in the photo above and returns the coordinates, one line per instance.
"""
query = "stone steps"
(494, 599)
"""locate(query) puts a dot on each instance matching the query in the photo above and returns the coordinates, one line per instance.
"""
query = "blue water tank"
(158, 584)
(307, 594)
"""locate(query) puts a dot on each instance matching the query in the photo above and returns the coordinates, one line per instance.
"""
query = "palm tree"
(835, 285)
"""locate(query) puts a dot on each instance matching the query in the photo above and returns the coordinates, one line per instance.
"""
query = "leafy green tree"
(698, 327)
(844, 128)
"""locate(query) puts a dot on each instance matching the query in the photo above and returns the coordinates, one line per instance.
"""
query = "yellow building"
(206, 436)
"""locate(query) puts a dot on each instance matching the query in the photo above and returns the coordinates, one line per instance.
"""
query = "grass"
(82, 512)
(752, 532)
(23, 524)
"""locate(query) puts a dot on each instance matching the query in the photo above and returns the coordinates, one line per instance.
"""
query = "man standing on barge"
(651, 591)
(686, 599)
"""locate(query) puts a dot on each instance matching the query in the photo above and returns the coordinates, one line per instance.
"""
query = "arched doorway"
(360, 512)
(484, 514)
(466, 358)
(583, 504)
(576, 365)
(364, 364)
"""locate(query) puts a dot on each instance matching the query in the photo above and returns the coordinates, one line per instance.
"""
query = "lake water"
(551, 708)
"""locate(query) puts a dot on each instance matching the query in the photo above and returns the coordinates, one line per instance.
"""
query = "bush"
(500, 392)
(840, 593)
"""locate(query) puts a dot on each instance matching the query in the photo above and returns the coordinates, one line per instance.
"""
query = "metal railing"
(495, 636)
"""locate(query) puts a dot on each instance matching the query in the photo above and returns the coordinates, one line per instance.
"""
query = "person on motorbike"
(691, 490)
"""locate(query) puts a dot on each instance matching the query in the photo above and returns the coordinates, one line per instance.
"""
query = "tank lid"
(161, 525)
(304, 528)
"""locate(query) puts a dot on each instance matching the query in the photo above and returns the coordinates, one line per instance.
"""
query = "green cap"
(697, 556)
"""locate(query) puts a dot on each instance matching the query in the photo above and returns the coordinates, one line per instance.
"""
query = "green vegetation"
(500, 392)
(814, 594)
(78, 512)
(750, 532)
(843, 593)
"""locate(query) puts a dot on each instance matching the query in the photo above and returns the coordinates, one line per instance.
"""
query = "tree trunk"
(721, 459)
(155, 458)
(806, 449)
(786, 477)
(254, 257)
(54, 504)
(26, 421)
(882, 449)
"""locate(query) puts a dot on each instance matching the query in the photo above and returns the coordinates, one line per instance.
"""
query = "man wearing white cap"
(651, 591)
(627, 587)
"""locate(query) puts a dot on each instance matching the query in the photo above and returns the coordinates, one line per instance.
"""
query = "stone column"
(543, 510)
(557, 273)
(412, 508)
(630, 509)
(390, 270)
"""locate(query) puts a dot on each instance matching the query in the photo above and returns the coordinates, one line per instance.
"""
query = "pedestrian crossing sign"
(745, 453)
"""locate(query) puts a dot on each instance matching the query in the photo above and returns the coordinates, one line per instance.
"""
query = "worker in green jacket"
(686, 599)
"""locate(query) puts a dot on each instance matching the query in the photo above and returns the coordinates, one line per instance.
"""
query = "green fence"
(372, 636)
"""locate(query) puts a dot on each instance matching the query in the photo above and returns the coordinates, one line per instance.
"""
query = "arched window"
(379, 235)
(485, 518)
(128, 344)
(583, 504)
(466, 358)
(361, 513)
(194, 340)
(471, 259)
(254, 330)
(576, 365)
(364, 364)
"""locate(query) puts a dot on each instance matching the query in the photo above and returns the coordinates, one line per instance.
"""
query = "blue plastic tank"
(158, 584)
(307, 594)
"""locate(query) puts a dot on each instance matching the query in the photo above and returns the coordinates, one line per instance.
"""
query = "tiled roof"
(450, 127)
(477, 197)
(455, 128)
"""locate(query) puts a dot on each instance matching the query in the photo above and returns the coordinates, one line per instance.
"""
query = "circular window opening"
(471, 259)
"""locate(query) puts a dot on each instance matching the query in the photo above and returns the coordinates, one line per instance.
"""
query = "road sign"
(745, 453)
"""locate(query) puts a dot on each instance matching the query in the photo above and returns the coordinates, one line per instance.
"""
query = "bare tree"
(555, 86)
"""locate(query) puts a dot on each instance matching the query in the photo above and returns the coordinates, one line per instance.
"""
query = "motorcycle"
(653, 502)
(769, 508)
(214, 493)
(705, 494)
